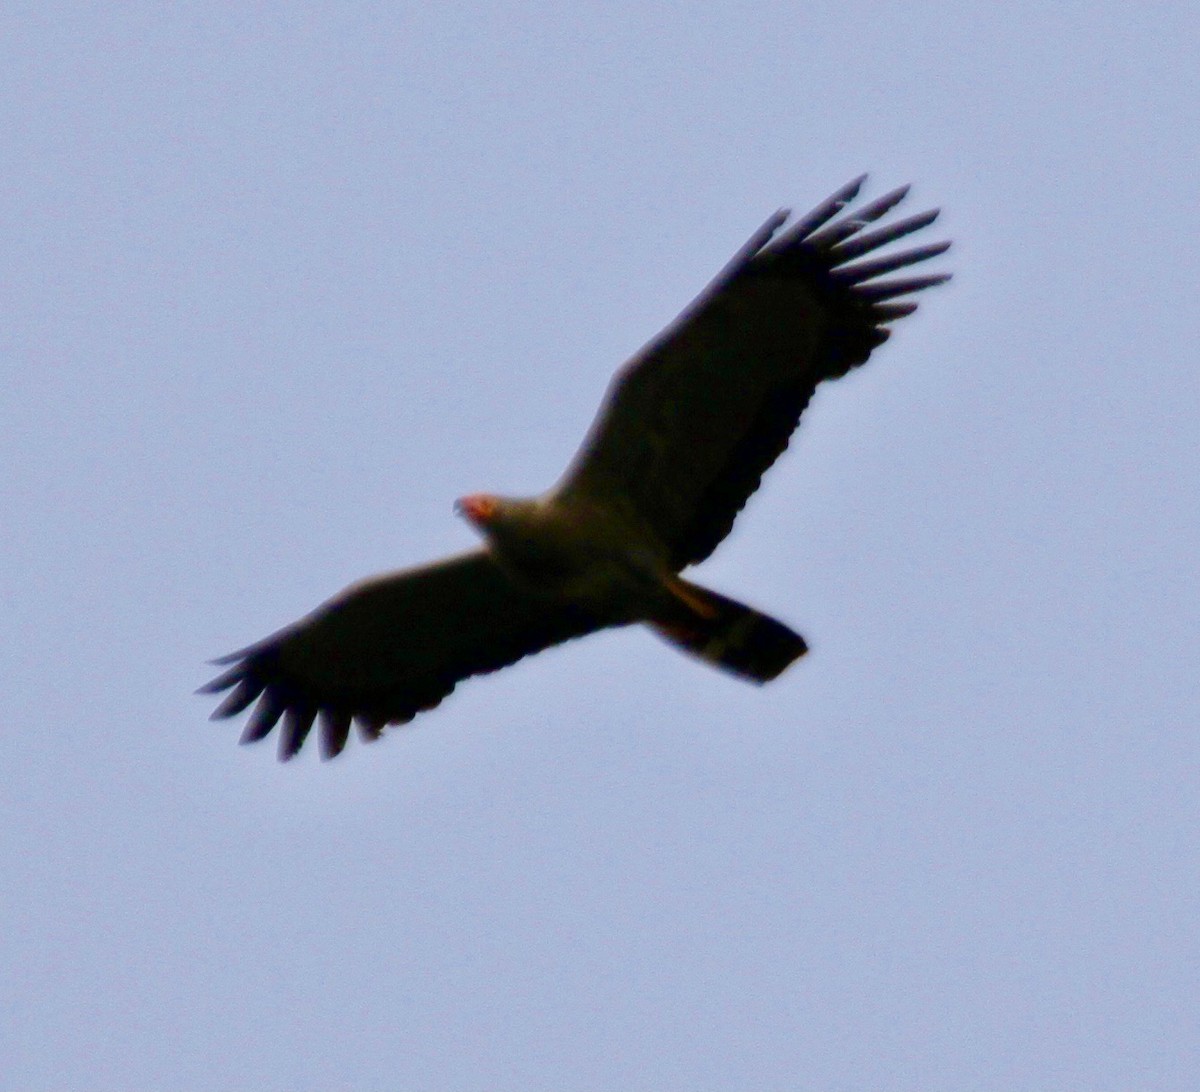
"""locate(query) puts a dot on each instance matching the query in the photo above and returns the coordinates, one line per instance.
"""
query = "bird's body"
(687, 430)
(566, 550)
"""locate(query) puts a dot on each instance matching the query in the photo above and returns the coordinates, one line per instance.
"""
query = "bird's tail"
(728, 634)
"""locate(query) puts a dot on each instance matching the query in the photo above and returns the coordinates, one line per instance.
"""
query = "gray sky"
(281, 281)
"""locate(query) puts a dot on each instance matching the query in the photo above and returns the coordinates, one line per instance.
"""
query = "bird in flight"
(686, 431)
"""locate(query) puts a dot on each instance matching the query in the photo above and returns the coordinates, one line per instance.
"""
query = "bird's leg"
(690, 598)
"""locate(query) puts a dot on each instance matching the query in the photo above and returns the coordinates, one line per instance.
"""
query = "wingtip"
(335, 730)
(849, 191)
(773, 223)
(222, 682)
(228, 658)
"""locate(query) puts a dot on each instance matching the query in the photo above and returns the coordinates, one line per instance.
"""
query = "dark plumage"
(687, 430)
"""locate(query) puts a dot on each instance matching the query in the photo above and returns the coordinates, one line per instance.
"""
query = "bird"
(686, 430)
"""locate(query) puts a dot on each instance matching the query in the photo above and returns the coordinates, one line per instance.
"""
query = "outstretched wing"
(388, 648)
(692, 422)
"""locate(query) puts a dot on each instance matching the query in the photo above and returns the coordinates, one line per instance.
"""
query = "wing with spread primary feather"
(388, 648)
(691, 424)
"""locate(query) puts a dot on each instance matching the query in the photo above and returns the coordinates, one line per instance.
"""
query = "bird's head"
(481, 509)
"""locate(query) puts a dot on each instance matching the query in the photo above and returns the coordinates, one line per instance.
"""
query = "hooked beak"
(477, 508)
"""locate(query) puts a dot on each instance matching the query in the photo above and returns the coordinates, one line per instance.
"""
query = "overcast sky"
(279, 281)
